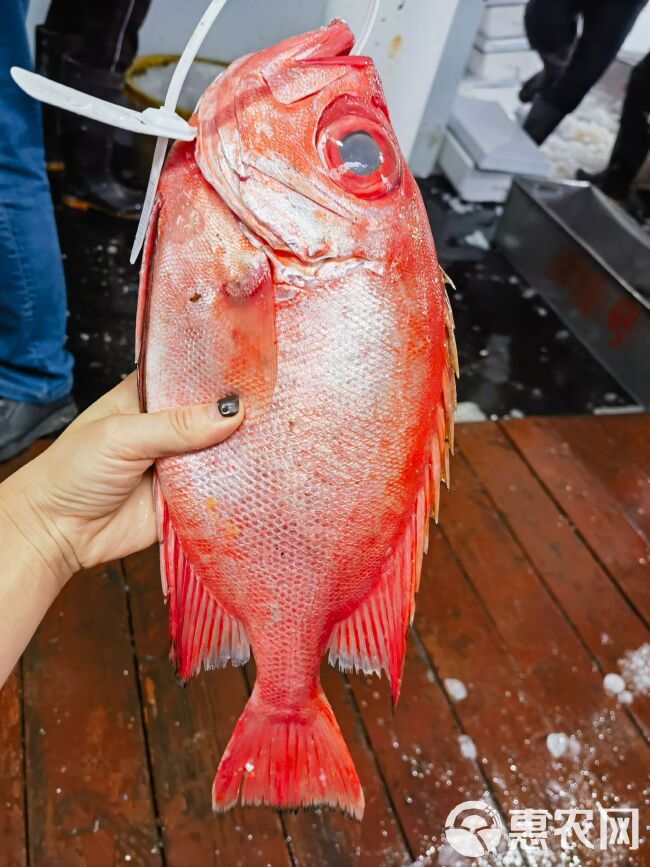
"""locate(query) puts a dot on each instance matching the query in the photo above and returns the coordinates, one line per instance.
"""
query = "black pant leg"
(109, 28)
(633, 140)
(133, 23)
(606, 24)
(551, 26)
(66, 16)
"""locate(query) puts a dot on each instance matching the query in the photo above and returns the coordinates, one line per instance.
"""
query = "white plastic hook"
(173, 93)
(150, 122)
(162, 122)
(171, 100)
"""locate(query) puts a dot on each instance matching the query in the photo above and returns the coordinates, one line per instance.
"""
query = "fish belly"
(288, 522)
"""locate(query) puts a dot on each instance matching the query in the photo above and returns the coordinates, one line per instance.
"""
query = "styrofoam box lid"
(470, 183)
(505, 2)
(494, 142)
(501, 45)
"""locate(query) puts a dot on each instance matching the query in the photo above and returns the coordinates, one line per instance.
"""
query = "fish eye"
(358, 152)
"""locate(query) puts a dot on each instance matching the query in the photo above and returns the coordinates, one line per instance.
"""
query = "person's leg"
(65, 16)
(605, 27)
(101, 39)
(53, 39)
(551, 28)
(34, 364)
(110, 32)
(633, 140)
(109, 27)
(129, 42)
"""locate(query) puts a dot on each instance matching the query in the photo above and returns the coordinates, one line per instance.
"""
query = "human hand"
(88, 498)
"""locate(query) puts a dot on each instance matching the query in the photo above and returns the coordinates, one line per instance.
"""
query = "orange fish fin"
(222, 283)
(297, 759)
(201, 632)
(247, 350)
(373, 637)
(450, 373)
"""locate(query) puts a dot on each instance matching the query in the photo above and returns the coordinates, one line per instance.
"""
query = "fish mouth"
(356, 60)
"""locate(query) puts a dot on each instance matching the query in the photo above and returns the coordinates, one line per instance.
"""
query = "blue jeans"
(34, 365)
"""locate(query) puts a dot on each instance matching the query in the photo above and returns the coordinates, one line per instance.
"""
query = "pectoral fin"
(209, 290)
(247, 347)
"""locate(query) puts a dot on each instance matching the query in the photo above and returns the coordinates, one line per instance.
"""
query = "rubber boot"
(51, 46)
(532, 86)
(607, 182)
(554, 65)
(542, 120)
(90, 181)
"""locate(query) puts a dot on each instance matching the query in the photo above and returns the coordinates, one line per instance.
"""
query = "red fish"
(289, 260)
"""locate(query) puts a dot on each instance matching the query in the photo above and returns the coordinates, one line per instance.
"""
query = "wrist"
(32, 533)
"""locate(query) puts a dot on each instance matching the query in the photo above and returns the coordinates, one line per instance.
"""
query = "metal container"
(591, 263)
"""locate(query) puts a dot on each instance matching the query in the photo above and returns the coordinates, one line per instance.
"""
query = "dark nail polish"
(229, 406)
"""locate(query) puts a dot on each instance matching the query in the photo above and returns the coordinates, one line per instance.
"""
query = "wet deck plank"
(602, 618)
(554, 665)
(590, 505)
(615, 464)
(499, 713)
(416, 750)
(13, 839)
(532, 590)
(13, 849)
(89, 793)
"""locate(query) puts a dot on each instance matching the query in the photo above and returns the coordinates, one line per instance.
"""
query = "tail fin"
(288, 760)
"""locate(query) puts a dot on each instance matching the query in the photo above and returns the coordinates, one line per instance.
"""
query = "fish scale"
(302, 534)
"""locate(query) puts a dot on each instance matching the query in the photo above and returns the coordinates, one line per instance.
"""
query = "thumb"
(148, 436)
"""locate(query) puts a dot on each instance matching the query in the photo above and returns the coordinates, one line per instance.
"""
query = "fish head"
(297, 141)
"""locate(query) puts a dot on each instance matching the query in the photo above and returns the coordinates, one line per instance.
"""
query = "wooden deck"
(535, 585)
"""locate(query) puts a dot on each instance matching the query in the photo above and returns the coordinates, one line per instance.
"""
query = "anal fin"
(202, 633)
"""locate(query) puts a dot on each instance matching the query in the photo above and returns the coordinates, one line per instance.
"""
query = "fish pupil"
(360, 153)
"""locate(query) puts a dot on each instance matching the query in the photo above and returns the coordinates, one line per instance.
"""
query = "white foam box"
(503, 65)
(493, 141)
(471, 184)
(501, 44)
(503, 19)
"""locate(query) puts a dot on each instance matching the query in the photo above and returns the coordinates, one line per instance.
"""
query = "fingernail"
(228, 406)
